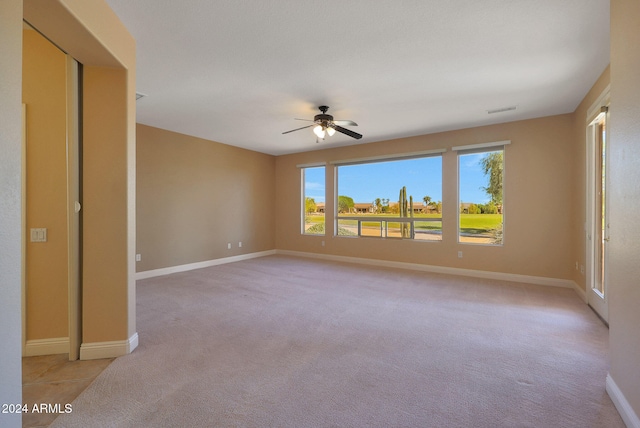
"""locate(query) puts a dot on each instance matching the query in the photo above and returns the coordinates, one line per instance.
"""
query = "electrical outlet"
(323, 243)
(228, 245)
(138, 257)
(240, 244)
(576, 265)
(459, 254)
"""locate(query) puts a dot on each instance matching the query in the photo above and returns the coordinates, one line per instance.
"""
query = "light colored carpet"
(291, 342)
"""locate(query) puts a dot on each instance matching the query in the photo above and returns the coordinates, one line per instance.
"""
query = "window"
(313, 195)
(391, 198)
(480, 192)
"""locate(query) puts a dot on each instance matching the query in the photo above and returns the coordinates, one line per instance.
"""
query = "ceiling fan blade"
(345, 122)
(347, 132)
(297, 129)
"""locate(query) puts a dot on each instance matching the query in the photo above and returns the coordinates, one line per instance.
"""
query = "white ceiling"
(239, 72)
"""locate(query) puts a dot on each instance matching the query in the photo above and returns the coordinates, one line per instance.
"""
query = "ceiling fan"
(325, 125)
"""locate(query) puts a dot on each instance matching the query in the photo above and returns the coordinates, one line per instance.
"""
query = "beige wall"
(44, 92)
(104, 184)
(624, 145)
(539, 213)
(195, 196)
(579, 194)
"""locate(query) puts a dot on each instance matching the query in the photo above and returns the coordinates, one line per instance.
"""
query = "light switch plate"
(39, 234)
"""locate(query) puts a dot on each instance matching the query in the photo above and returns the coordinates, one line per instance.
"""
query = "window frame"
(303, 188)
(380, 159)
(475, 149)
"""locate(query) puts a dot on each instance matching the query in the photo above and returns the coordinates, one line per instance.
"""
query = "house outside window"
(390, 197)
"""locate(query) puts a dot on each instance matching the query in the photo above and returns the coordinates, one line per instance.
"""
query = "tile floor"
(53, 379)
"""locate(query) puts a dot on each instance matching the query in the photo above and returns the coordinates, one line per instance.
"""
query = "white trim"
(481, 145)
(603, 114)
(200, 265)
(539, 280)
(580, 292)
(597, 302)
(311, 165)
(624, 408)
(116, 348)
(392, 157)
(23, 210)
(55, 345)
(303, 201)
(603, 100)
(501, 276)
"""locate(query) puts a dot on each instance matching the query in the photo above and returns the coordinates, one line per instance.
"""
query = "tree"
(310, 205)
(492, 164)
(385, 205)
(345, 204)
(427, 202)
(378, 204)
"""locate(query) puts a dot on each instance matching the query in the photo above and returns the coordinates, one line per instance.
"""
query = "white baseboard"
(116, 348)
(56, 345)
(624, 408)
(553, 282)
(580, 292)
(199, 265)
(539, 280)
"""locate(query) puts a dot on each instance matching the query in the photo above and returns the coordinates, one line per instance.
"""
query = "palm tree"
(427, 200)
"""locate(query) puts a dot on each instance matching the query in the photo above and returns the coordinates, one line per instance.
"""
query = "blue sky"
(472, 178)
(423, 177)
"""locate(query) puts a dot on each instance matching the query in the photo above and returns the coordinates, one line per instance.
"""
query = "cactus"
(405, 210)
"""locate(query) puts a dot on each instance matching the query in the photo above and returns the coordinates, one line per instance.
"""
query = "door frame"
(597, 301)
(74, 153)
(23, 271)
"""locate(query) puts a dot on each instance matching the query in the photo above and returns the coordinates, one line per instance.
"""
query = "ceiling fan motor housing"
(323, 118)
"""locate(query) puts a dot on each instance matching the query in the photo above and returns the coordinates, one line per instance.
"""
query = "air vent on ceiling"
(139, 95)
(500, 110)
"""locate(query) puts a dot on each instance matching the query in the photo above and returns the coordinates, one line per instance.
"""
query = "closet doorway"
(51, 308)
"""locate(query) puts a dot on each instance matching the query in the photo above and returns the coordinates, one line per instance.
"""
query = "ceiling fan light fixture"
(324, 124)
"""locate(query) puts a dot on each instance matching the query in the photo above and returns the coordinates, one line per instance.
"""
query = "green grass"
(425, 225)
(314, 219)
(474, 224)
(477, 224)
(318, 229)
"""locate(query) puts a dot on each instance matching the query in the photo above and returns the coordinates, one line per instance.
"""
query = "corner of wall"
(624, 408)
